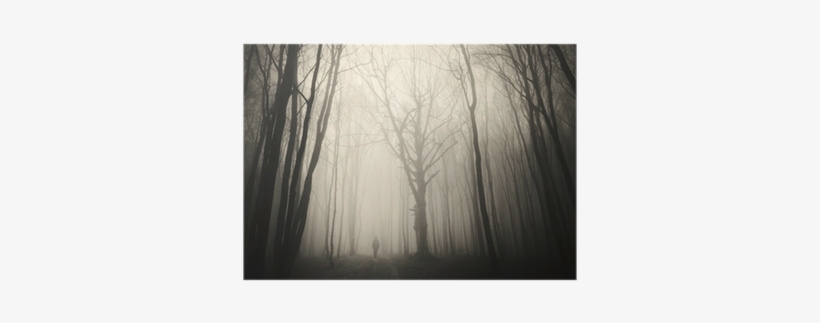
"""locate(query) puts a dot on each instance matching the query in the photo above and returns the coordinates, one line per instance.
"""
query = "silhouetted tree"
(470, 100)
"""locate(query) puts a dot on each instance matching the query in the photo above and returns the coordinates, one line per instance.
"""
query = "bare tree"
(470, 100)
(259, 223)
(410, 135)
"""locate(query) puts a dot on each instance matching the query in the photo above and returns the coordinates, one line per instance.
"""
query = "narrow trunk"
(297, 227)
(485, 219)
(564, 66)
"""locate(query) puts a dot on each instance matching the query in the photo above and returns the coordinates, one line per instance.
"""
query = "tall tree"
(470, 100)
(255, 260)
(410, 135)
(295, 223)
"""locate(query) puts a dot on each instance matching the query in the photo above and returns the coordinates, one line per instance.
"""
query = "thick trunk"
(290, 180)
(268, 176)
(298, 226)
(284, 198)
(295, 222)
(420, 226)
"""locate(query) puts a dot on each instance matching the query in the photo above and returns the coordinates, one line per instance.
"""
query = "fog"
(459, 159)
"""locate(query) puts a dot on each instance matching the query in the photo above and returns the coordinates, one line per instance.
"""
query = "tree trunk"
(296, 223)
(564, 66)
(270, 167)
(485, 219)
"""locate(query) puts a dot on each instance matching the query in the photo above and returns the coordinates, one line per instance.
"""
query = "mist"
(409, 161)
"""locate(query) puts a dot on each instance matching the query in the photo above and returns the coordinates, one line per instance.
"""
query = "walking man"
(375, 246)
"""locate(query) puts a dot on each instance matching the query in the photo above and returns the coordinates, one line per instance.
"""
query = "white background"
(698, 161)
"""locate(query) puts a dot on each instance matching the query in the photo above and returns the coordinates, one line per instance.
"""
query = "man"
(375, 246)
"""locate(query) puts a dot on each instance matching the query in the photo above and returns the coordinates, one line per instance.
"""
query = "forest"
(409, 161)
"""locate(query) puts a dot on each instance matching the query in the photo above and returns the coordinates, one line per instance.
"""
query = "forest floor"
(396, 266)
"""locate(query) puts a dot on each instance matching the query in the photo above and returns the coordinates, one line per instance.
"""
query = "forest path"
(394, 266)
(349, 267)
(383, 268)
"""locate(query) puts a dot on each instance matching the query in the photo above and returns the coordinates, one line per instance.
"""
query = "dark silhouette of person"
(375, 246)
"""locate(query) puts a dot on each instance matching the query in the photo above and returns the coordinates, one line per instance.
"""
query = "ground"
(403, 267)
